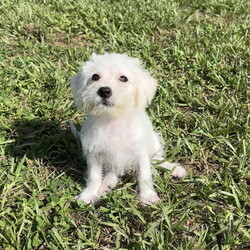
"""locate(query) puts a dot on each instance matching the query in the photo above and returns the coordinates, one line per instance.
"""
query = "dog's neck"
(109, 118)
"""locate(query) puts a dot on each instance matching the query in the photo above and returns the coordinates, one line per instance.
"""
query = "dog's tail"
(74, 130)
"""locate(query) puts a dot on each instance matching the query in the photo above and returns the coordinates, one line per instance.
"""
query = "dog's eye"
(123, 79)
(95, 77)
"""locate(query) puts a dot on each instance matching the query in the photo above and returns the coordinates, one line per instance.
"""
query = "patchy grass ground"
(199, 52)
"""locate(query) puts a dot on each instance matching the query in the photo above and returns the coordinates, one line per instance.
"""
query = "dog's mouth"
(105, 102)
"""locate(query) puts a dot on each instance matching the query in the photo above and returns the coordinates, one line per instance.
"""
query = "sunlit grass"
(199, 53)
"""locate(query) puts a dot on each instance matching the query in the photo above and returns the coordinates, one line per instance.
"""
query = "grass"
(199, 53)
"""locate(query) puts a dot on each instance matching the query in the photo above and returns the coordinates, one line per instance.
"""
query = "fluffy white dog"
(117, 134)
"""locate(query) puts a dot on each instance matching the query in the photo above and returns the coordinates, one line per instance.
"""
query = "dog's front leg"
(94, 180)
(146, 189)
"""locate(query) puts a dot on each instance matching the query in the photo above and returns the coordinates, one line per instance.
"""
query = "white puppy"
(117, 134)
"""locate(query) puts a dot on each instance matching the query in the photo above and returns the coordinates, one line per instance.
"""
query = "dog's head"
(113, 84)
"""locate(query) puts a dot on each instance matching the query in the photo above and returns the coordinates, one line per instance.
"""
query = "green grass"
(199, 53)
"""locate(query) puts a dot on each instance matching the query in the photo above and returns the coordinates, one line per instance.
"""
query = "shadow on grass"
(50, 144)
(47, 143)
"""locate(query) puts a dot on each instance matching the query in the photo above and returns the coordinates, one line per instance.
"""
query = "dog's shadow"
(50, 143)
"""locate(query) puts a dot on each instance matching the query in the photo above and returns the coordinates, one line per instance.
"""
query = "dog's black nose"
(104, 92)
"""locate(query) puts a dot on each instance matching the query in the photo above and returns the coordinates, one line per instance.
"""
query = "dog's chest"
(117, 136)
(119, 139)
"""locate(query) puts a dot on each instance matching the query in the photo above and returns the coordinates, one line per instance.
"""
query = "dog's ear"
(146, 89)
(78, 85)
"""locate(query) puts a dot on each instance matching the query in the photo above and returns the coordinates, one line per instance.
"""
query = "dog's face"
(112, 84)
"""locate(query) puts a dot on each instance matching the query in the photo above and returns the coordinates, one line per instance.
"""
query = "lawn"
(199, 51)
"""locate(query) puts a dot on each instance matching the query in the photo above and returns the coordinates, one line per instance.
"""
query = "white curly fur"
(117, 134)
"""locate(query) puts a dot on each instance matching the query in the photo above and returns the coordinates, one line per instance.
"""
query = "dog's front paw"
(149, 197)
(87, 197)
(179, 171)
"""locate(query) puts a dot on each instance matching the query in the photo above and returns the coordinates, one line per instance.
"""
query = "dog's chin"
(103, 107)
(106, 103)
(108, 109)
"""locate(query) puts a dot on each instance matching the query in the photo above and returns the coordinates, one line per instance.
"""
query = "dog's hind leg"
(108, 183)
(178, 170)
